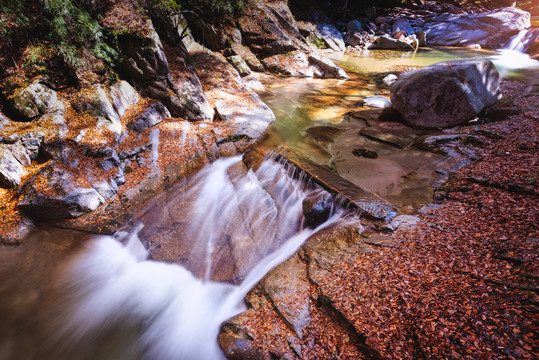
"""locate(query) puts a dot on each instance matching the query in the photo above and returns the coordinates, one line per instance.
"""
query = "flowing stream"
(110, 302)
(69, 295)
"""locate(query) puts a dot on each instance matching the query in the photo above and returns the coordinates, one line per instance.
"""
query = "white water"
(516, 42)
(507, 60)
(122, 306)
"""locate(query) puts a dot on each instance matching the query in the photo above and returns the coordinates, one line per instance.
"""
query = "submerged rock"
(447, 93)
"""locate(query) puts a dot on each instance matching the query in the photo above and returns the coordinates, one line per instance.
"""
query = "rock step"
(368, 204)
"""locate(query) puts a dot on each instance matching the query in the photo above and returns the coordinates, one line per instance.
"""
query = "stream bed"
(161, 288)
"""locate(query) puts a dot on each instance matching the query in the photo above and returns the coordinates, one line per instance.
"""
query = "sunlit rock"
(96, 103)
(447, 93)
(490, 29)
(54, 194)
(34, 100)
(377, 101)
(11, 169)
(123, 96)
(239, 64)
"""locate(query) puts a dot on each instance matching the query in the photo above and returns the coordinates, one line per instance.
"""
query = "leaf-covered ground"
(462, 285)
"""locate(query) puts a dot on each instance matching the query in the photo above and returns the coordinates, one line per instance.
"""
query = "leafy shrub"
(67, 26)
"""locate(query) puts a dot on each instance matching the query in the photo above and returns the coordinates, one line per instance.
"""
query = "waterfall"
(117, 304)
(516, 43)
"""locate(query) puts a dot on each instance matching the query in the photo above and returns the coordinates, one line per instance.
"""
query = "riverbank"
(461, 284)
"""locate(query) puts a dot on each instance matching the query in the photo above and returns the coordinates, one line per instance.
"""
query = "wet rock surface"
(405, 262)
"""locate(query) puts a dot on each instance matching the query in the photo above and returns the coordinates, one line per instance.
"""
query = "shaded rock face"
(317, 209)
(267, 37)
(152, 116)
(332, 37)
(144, 62)
(490, 29)
(447, 93)
(402, 24)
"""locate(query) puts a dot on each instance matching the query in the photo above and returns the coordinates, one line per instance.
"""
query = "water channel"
(162, 289)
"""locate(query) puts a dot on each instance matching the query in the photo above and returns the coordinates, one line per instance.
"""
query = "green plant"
(317, 42)
(64, 24)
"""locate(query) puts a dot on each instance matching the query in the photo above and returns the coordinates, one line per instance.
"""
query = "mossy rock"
(33, 101)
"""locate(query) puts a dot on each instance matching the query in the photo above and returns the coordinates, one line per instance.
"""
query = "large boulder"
(490, 29)
(402, 24)
(35, 100)
(447, 93)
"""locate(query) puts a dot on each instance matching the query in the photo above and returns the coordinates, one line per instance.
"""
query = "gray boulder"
(387, 43)
(152, 116)
(58, 197)
(34, 100)
(490, 29)
(20, 153)
(447, 93)
(4, 121)
(11, 169)
(32, 142)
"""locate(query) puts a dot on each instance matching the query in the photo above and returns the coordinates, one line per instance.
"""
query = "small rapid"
(113, 302)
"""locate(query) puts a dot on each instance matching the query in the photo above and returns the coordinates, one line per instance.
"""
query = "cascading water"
(113, 303)
(516, 42)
